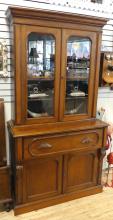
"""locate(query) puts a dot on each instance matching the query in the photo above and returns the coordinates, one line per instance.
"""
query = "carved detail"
(88, 140)
(45, 146)
(41, 146)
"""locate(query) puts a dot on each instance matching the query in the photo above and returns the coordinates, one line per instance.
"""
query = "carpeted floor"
(96, 207)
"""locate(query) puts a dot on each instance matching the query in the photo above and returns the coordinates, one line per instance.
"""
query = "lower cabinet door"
(80, 170)
(42, 178)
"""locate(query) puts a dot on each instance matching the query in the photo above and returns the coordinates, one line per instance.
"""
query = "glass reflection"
(77, 75)
(41, 68)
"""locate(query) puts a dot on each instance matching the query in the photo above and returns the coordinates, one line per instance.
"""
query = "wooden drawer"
(46, 145)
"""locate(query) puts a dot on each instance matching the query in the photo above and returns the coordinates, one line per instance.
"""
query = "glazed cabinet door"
(77, 74)
(38, 72)
(42, 178)
(80, 170)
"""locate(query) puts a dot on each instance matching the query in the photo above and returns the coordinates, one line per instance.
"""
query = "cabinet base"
(56, 200)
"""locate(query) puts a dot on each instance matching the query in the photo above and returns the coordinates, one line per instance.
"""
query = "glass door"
(41, 75)
(43, 71)
(77, 74)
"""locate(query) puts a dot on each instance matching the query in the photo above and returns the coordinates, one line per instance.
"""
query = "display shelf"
(77, 78)
(39, 99)
(40, 79)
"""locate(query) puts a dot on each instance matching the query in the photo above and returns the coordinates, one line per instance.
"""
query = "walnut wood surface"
(58, 127)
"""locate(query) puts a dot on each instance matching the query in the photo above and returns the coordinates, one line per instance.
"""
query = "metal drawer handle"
(86, 140)
(45, 146)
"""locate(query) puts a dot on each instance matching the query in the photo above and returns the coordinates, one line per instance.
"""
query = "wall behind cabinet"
(6, 84)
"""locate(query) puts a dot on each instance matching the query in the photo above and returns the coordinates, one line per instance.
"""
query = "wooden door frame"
(91, 85)
(21, 80)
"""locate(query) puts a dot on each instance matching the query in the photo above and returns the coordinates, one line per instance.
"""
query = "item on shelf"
(34, 92)
(52, 57)
(77, 93)
(33, 55)
(36, 115)
(36, 95)
(47, 74)
(75, 110)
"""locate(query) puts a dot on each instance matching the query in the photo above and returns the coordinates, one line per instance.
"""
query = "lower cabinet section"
(42, 178)
(48, 177)
(56, 169)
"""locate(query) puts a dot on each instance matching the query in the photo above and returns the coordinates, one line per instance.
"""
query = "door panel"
(41, 63)
(77, 74)
(43, 178)
(80, 170)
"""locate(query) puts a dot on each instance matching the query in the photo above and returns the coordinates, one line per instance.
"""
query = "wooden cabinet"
(56, 142)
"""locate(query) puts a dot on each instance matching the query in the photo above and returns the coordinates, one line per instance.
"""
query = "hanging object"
(3, 59)
(106, 67)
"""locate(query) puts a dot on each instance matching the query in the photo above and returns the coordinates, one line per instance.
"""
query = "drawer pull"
(45, 146)
(86, 140)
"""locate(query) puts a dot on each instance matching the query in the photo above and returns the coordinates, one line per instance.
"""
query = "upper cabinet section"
(56, 65)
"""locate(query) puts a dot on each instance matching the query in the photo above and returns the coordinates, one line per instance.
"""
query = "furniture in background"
(106, 69)
(5, 192)
(56, 142)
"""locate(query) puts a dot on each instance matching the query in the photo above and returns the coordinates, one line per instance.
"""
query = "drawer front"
(40, 146)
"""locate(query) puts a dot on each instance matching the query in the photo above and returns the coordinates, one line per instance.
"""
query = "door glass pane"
(40, 70)
(77, 75)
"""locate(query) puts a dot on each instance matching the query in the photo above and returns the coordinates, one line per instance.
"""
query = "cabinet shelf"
(40, 79)
(76, 97)
(77, 78)
(78, 68)
(40, 99)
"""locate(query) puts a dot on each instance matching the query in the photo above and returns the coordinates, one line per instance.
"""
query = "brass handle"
(86, 140)
(45, 146)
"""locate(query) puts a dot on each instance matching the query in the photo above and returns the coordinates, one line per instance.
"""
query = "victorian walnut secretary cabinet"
(56, 142)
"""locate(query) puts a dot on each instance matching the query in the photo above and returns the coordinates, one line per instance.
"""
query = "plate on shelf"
(77, 93)
(36, 95)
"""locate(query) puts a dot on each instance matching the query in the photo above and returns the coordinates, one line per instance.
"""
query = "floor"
(96, 207)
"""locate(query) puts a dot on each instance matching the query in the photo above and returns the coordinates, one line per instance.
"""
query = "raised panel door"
(42, 178)
(80, 170)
